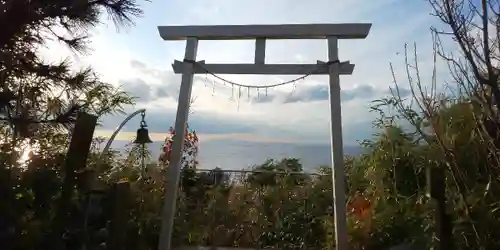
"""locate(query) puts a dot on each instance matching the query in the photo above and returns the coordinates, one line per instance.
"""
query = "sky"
(139, 61)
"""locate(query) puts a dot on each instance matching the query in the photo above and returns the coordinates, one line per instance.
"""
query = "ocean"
(234, 154)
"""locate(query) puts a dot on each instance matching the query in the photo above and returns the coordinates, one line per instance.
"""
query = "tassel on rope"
(213, 87)
(293, 89)
(239, 97)
(232, 92)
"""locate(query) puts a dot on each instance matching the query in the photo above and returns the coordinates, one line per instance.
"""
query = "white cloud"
(113, 57)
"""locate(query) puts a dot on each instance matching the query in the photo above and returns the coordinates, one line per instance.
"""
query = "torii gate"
(192, 34)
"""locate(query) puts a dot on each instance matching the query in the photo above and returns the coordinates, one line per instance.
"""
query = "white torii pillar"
(260, 33)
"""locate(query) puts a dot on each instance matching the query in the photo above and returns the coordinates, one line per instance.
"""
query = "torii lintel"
(260, 33)
(277, 31)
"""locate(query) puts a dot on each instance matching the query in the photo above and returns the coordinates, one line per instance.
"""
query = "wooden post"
(76, 159)
(437, 191)
(338, 173)
(118, 226)
(174, 168)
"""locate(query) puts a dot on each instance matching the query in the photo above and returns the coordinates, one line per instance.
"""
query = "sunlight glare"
(26, 151)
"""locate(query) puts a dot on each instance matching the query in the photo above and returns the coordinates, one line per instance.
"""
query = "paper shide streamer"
(239, 97)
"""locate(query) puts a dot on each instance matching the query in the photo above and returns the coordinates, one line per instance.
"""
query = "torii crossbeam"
(260, 33)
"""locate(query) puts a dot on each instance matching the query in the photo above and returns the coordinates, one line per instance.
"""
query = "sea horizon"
(236, 154)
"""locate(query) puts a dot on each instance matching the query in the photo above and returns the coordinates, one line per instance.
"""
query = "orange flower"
(360, 206)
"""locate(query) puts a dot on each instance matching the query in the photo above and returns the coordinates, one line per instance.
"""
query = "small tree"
(34, 92)
(190, 149)
(38, 101)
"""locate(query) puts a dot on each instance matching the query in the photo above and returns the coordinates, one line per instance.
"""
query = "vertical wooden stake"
(437, 186)
(118, 225)
(76, 159)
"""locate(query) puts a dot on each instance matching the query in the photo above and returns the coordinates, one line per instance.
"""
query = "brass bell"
(142, 136)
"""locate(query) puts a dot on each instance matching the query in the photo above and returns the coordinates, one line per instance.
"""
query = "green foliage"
(38, 105)
(274, 207)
